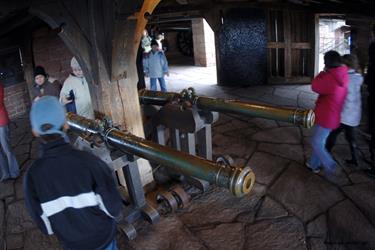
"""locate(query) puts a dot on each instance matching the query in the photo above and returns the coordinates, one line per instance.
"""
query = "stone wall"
(173, 54)
(361, 31)
(204, 43)
(51, 53)
(172, 51)
(17, 100)
(242, 48)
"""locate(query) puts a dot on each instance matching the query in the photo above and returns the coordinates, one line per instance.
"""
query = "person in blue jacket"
(69, 193)
(155, 66)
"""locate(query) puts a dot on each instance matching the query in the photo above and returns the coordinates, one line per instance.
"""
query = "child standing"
(155, 66)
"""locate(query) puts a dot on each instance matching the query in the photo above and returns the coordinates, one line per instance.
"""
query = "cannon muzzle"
(238, 180)
(297, 116)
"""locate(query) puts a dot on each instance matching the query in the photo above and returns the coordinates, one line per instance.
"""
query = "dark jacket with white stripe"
(72, 194)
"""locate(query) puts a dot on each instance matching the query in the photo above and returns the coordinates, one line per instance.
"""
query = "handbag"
(71, 106)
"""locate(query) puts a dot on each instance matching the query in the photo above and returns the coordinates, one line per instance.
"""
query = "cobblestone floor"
(290, 207)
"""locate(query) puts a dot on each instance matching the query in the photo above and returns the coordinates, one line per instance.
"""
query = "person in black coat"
(370, 82)
(42, 84)
(69, 193)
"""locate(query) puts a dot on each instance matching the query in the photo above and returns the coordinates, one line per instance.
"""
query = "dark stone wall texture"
(242, 48)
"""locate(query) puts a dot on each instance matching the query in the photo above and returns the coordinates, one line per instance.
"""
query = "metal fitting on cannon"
(241, 180)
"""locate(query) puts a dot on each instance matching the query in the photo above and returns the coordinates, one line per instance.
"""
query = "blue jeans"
(112, 246)
(163, 86)
(320, 155)
(8, 164)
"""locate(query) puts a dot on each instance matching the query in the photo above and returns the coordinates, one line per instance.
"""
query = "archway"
(189, 45)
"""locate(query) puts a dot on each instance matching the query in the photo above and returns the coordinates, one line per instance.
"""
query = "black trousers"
(350, 135)
(141, 76)
(371, 121)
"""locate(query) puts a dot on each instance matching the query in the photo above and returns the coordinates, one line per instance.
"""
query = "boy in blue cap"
(69, 193)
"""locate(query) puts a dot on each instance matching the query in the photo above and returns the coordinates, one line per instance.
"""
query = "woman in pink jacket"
(332, 86)
(8, 163)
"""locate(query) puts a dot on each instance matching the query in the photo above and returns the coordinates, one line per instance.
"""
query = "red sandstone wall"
(51, 53)
(17, 100)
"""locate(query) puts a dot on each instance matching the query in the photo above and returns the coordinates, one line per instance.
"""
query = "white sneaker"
(315, 171)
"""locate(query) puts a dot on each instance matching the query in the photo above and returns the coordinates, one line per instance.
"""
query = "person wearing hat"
(69, 193)
(8, 164)
(76, 89)
(155, 66)
(42, 84)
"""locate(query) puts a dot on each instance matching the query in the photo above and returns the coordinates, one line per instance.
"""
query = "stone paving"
(289, 208)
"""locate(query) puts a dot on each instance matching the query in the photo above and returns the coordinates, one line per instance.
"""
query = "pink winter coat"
(332, 87)
(4, 118)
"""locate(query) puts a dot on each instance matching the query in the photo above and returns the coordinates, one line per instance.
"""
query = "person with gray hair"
(76, 89)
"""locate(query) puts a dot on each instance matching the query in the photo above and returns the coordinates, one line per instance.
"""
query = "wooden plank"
(301, 45)
(147, 7)
(287, 39)
(269, 62)
(274, 45)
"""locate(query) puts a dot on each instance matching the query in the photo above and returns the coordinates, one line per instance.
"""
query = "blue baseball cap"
(47, 116)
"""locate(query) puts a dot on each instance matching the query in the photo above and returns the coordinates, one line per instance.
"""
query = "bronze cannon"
(297, 116)
(238, 180)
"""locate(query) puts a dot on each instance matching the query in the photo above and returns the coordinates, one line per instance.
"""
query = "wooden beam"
(287, 40)
(301, 45)
(275, 45)
(13, 24)
(147, 7)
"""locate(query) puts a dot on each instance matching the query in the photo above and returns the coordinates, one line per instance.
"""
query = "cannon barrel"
(238, 180)
(297, 116)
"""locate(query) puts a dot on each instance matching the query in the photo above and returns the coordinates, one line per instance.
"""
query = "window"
(11, 70)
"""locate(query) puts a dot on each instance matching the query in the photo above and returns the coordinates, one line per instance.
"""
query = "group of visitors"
(74, 94)
(155, 64)
(82, 214)
(69, 193)
(72, 193)
(339, 108)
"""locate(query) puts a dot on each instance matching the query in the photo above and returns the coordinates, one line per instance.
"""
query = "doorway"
(334, 34)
